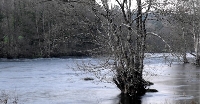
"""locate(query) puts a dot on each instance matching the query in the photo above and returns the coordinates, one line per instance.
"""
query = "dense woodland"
(38, 28)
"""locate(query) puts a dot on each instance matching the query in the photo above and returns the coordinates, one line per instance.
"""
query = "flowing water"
(55, 81)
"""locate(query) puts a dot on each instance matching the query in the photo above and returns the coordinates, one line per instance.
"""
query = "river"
(56, 81)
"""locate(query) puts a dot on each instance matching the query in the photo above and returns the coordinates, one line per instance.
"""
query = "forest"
(37, 28)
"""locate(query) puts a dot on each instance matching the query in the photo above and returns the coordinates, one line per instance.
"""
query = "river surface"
(56, 81)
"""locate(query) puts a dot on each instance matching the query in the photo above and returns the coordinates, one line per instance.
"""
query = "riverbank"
(52, 55)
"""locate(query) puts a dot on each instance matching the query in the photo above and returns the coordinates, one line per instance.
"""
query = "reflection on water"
(124, 99)
(52, 81)
(179, 83)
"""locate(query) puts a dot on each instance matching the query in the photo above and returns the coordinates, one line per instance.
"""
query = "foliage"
(5, 40)
(1, 17)
(54, 28)
(44, 29)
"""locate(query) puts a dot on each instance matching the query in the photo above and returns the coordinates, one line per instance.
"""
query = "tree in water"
(125, 35)
(121, 33)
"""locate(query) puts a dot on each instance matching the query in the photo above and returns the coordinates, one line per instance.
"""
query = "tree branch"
(152, 33)
(122, 9)
(149, 7)
(193, 54)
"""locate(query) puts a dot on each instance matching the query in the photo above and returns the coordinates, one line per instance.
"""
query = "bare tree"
(124, 37)
(195, 12)
(187, 15)
(179, 21)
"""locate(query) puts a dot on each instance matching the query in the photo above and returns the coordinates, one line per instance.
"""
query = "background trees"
(44, 29)
(185, 20)
(195, 17)
(40, 28)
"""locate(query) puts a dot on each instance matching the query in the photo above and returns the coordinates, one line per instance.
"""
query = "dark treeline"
(33, 28)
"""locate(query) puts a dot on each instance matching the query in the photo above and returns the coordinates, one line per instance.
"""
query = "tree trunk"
(195, 31)
(197, 50)
(129, 75)
(196, 44)
(10, 44)
(184, 48)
